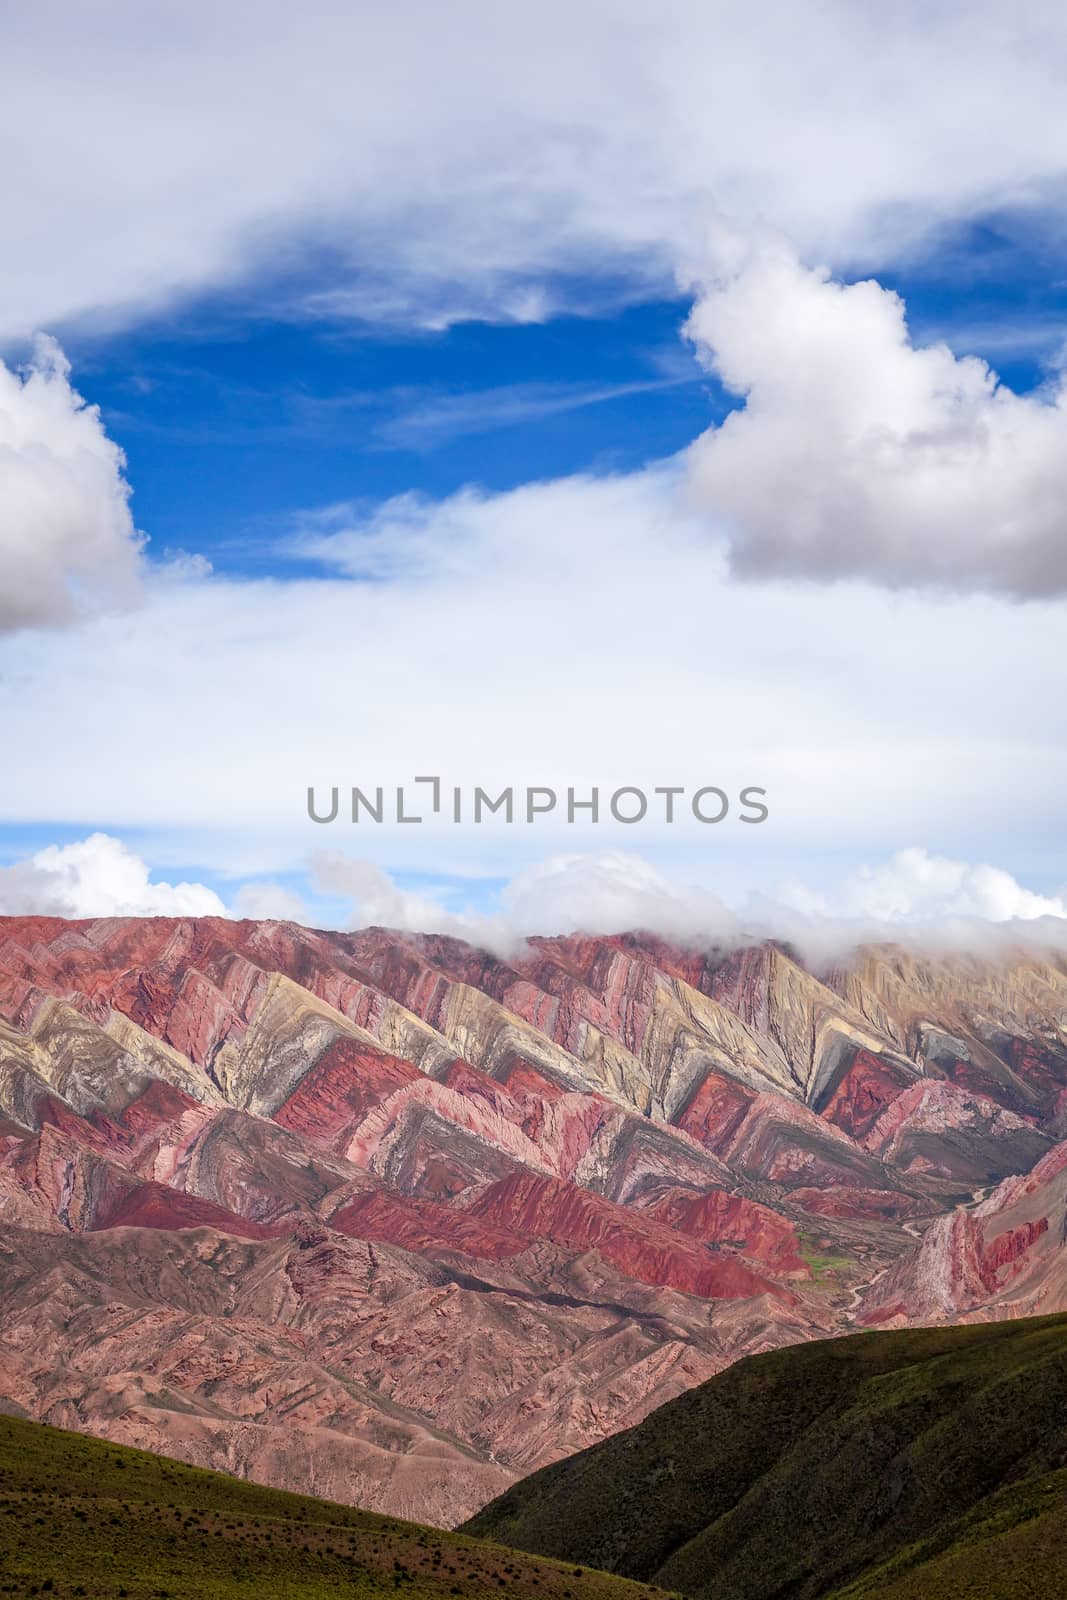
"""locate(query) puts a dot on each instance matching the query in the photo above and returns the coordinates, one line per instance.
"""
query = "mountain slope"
(394, 1219)
(928, 1462)
(80, 1517)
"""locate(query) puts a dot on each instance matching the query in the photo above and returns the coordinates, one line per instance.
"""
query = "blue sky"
(530, 430)
(233, 426)
(233, 421)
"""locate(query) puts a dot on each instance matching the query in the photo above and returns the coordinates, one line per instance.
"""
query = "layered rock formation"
(395, 1221)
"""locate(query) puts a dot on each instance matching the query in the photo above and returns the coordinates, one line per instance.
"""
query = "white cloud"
(575, 632)
(97, 877)
(916, 886)
(379, 902)
(67, 541)
(858, 454)
(610, 893)
(581, 631)
(449, 159)
(915, 895)
(271, 902)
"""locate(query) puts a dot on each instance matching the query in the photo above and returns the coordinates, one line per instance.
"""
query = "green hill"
(928, 1464)
(79, 1517)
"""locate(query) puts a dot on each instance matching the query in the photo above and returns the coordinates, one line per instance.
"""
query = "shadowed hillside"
(82, 1518)
(921, 1465)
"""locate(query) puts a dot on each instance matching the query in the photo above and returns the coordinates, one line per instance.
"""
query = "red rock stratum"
(394, 1221)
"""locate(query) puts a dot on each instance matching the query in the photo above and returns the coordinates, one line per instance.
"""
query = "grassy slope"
(918, 1465)
(81, 1517)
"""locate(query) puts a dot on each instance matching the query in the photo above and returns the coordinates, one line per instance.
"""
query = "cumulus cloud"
(97, 877)
(859, 454)
(609, 893)
(915, 897)
(378, 901)
(67, 540)
(913, 894)
(917, 886)
(451, 160)
(264, 901)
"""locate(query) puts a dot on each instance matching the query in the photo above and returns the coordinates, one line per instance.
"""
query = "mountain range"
(919, 1464)
(396, 1221)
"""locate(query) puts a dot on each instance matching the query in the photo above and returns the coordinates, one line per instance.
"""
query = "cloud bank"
(609, 892)
(67, 541)
(857, 454)
(588, 624)
(914, 896)
(449, 161)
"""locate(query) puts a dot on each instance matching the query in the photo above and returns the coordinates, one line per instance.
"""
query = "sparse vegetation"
(822, 1264)
(79, 1517)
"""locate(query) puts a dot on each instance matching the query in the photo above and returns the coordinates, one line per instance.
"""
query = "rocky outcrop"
(392, 1219)
(1002, 1257)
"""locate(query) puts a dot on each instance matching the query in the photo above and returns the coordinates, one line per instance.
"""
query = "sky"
(566, 399)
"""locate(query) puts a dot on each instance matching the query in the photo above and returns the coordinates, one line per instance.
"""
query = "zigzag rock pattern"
(391, 1220)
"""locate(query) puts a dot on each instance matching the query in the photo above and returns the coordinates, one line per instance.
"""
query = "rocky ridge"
(392, 1220)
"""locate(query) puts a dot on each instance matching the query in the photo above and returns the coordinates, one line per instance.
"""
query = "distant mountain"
(920, 1465)
(80, 1517)
(389, 1219)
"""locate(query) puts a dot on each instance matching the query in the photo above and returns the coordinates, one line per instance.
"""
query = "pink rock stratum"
(394, 1221)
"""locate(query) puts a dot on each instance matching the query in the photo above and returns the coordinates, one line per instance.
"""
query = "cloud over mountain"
(914, 895)
(916, 885)
(97, 876)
